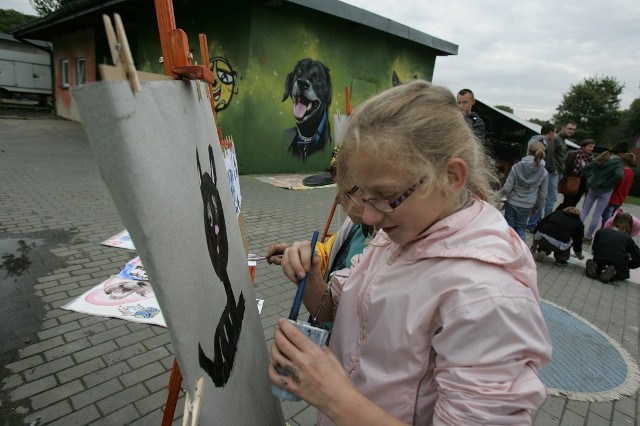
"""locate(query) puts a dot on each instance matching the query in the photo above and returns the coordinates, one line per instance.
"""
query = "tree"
(629, 126)
(46, 7)
(10, 19)
(594, 105)
(538, 121)
(505, 108)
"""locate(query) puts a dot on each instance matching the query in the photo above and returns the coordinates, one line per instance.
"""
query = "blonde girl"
(438, 321)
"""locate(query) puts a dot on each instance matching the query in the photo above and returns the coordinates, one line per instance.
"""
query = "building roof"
(79, 12)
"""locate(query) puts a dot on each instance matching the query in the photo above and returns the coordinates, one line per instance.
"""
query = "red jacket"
(621, 190)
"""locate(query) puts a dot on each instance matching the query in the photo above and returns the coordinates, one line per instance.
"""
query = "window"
(64, 72)
(81, 71)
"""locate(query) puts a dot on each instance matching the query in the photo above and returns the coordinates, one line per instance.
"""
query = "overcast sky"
(521, 54)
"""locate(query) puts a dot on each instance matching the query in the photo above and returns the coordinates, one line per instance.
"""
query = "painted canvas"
(159, 154)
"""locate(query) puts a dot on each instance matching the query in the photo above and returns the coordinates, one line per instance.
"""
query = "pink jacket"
(446, 330)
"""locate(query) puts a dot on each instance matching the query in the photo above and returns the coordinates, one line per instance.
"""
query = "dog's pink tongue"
(299, 110)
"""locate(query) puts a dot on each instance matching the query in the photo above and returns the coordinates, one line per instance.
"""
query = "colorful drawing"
(139, 311)
(134, 270)
(121, 239)
(116, 290)
(224, 83)
(230, 324)
(309, 86)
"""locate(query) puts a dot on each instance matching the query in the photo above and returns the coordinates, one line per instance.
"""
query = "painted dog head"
(309, 86)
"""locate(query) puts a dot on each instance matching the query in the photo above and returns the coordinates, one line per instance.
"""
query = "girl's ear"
(457, 173)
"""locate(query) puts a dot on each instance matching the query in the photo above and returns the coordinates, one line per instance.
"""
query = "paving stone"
(49, 413)
(48, 368)
(54, 395)
(42, 346)
(106, 373)
(95, 351)
(24, 364)
(121, 399)
(147, 357)
(80, 370)
(151, 402)
(81, 417)
(96, 393)
(141, 374)
(123, 416)
(67, 349)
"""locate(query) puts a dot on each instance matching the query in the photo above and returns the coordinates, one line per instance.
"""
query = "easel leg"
(175, 380)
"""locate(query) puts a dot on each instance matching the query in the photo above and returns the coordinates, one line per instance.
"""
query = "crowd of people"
(429, 292)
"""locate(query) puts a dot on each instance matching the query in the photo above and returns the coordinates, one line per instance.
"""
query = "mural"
(309, 87)
(224, 83)
(230, 324)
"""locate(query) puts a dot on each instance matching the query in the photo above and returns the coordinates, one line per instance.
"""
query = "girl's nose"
(370, 215)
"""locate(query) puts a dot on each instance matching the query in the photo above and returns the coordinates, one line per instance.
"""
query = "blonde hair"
(537, 150)
(572, 210)
(419, 127)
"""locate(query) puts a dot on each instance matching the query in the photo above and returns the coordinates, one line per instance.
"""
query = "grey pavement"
(68, 368)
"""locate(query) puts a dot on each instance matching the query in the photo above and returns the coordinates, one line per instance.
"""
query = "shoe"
(587, 240)
(562, 262)
(541, 255)
(608, 274)
(592, 269)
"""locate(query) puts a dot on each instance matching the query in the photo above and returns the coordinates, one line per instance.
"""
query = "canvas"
(159, 154)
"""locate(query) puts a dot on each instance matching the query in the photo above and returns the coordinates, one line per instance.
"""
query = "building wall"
(254, 48)
(74, 49)
(258, 46)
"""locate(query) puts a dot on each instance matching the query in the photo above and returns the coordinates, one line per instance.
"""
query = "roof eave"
(369, 19)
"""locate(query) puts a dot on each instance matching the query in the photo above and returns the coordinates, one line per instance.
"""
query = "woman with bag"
(575, 160)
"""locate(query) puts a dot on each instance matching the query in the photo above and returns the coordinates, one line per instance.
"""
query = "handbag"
(569, 185)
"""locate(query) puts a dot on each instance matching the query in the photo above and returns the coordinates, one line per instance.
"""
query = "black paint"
(230, 324)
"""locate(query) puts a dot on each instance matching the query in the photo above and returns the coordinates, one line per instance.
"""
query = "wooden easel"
(177, 64)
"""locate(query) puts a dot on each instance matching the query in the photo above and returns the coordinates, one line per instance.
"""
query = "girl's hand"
(314, 373)
(296, 261)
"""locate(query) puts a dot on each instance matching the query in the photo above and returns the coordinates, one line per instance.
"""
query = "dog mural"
(230, 324)
(224, 82)
(309, 86)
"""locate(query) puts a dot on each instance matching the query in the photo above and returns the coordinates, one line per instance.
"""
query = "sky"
(525, 55)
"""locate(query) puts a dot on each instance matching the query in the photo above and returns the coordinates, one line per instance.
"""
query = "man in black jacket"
(465, 103)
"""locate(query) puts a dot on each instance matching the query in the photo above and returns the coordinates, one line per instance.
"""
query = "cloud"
(526, 54)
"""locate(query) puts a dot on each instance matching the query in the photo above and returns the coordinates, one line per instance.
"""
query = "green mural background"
(263, 44)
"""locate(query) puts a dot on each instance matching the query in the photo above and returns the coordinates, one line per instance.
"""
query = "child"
(438, 321)
(525, 188)
(614, 251)
(351, 238)
(557, 233)
(622, 189)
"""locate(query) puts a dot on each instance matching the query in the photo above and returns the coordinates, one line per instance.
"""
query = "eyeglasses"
(383, 206)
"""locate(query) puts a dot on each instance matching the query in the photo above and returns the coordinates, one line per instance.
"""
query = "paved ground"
(69, 368)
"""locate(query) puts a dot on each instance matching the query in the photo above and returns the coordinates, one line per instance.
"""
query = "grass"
(632, 200)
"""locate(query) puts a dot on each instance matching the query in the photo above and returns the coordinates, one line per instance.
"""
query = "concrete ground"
(67, 368)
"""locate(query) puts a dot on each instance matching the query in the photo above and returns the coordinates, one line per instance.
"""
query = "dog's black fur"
(309, 86)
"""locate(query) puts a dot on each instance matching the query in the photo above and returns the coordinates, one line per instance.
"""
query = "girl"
(525, 188)
(622, 189)
(602, 176)
(614, 251)
(438, 321)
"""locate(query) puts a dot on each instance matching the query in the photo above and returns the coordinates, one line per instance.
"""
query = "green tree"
(594, 105)
(505, 108)
(45, 7)
(538, 121)
(10, 19)
(629, 127)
